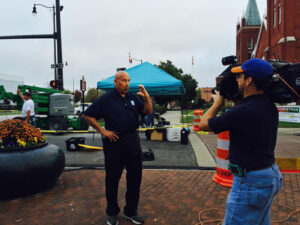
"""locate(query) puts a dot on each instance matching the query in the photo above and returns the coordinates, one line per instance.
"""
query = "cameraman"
(252, 125)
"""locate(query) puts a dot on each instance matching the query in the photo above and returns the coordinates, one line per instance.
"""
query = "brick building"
(277, 36)
(206, 93)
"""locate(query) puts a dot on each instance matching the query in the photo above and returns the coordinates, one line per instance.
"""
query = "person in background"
(27, 108)
(121, 143)
(252, 126)
(150, 118)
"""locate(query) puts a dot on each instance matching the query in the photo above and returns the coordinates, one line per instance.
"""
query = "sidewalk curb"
(288, 163)
(202, 154)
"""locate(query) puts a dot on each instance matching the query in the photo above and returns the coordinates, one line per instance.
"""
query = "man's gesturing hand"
(143, 92)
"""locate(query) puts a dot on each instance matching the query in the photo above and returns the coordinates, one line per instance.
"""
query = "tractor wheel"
(83, 124)
(58, 123)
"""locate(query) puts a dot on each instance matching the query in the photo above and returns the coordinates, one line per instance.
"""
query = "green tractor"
(54, 109)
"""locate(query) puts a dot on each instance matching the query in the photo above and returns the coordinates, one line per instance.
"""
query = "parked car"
(78, 110)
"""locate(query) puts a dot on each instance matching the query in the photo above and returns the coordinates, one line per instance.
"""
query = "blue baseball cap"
(256, 68)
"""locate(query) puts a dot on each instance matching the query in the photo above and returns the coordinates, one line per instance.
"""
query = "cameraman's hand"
(218, 99)
(212, 111)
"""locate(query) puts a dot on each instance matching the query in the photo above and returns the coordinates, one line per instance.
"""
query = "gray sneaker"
(137, 219)
(112, 220)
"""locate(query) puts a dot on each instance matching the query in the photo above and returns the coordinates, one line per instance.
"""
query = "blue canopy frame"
(156, 81)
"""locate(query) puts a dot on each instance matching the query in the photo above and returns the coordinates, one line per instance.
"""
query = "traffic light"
(82, 84)
(121, 69)
(53, 83)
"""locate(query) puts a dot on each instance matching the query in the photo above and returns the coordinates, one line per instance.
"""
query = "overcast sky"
(97, 36)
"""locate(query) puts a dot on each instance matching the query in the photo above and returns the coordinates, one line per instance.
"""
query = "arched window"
(249, 55)
(279, 14)
(250, 43)
(274, 17)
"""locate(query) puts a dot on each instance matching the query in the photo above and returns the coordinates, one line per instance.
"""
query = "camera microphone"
(228, 60)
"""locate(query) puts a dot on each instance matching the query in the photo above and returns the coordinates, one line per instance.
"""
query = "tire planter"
(29, 171)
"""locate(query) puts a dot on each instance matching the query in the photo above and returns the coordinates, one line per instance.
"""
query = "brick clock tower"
(247, 31)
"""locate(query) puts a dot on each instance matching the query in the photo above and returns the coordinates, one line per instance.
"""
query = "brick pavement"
(168, 197)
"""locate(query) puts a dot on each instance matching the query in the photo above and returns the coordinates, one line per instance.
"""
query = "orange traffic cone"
(198, 113)
(223, 175)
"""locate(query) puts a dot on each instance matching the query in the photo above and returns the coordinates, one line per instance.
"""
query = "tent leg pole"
(182, 121)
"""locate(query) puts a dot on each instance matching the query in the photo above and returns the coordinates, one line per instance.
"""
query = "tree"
(199, 101)
(189, 83)
(66, 91)
(171, 69)
(199, 95)
(77, 96)
(91, 95)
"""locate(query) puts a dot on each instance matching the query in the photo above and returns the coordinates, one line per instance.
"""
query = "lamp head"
(34, 10)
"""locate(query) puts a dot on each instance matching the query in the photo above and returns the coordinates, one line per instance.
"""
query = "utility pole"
(59, 78)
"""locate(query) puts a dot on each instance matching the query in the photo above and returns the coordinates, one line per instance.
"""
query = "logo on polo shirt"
(132, 102)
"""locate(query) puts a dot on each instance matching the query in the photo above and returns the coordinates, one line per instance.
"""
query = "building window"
(250, 43)
(279, 14)
(249, 55)
(274, 17)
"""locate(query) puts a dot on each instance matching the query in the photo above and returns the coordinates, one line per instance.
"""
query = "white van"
(78, 110)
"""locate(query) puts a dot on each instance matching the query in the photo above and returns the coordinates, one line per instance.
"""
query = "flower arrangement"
(18, 135)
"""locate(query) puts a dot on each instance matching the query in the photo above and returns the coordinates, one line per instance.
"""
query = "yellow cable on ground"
(283, 205)
(208, 221)
(90, 147)
(139, 129)
(202, 132)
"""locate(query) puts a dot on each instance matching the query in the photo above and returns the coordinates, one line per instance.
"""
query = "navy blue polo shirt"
(252, 128)
(120, 114)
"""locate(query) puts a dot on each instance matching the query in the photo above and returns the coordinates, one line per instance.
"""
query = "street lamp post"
(58, 61)
(34, 12)
(57, 45)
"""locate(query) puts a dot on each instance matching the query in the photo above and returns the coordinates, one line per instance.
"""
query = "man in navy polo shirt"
(121, 143)
(252, 125)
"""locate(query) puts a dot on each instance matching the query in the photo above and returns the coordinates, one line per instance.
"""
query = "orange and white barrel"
(198, 113)
(223, 175)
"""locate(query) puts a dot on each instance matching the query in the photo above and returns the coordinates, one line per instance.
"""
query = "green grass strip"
(288, 125)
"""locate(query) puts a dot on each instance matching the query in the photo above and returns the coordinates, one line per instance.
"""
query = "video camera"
(282, 87)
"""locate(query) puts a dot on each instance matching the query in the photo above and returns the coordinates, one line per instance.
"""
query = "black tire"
(83, 124)
(58, 123)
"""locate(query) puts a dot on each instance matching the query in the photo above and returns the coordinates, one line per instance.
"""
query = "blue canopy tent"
(156, 81)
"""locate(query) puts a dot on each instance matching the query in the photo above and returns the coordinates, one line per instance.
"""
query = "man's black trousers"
(125, 153)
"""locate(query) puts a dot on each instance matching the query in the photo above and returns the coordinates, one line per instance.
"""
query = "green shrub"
(160, 109)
